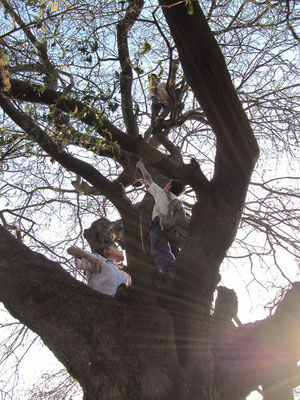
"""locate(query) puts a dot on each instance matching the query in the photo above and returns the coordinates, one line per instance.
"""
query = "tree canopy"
(76, 117)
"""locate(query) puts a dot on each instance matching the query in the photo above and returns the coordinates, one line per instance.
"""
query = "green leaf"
(146, 46)
(190, 9)
(138, 70)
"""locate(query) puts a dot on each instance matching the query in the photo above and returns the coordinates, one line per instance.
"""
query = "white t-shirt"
(161, 200)
(108, 280)
(161, 94)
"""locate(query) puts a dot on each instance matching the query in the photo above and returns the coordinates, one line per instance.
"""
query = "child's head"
(110, 250)
(153, 79)
(175, 187)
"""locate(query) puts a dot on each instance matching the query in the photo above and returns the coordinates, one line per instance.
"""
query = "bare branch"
(133, 11)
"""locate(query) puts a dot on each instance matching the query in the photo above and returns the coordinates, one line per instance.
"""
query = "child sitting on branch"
(103, 268)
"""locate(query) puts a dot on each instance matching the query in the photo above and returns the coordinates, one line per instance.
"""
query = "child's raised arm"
(146, 175)
(79, 253)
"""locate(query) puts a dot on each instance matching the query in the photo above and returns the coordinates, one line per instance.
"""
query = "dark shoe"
(122, 292)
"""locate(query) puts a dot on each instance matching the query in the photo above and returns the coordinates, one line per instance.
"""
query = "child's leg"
(155, 110)
(160, 248)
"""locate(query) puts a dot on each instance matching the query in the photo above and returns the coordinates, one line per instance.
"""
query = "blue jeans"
(156, 108)
(161, 252)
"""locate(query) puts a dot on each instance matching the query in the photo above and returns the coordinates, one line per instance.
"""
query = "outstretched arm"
(79, 253)
(146, 175)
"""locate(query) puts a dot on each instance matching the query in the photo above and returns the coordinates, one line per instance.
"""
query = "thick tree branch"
(262, 353)
(41, 295)
(215, 219)
(112, 191)
(225, 310)
(205, 69)
(24, 91)
(102, 147)
(132, 13)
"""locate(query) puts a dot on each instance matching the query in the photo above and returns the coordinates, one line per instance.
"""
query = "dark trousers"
(156, 108)
(160, 248)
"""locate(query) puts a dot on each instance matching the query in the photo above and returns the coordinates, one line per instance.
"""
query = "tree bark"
(118, 349)
(125, 348)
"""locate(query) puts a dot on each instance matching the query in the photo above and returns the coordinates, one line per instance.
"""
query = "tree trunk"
(126, 347)
(117, 348)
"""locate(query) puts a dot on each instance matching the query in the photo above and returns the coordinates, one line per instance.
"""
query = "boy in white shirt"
(161, 252)
(102, 269)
